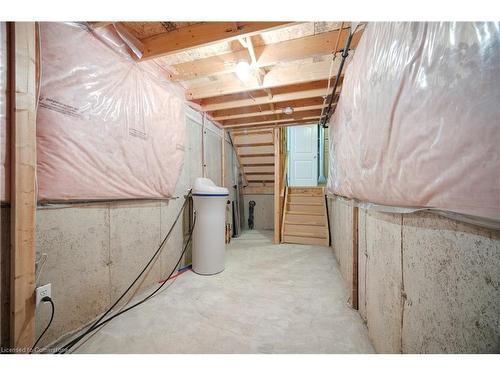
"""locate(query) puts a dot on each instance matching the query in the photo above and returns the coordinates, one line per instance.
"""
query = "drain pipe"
(345, 53)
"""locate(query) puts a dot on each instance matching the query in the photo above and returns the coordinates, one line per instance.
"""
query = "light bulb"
(243, 70)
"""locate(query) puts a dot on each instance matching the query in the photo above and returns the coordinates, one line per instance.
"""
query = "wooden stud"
(202, 34)
(355, 256)
(22, 68)
(276, 186)
(223, 161)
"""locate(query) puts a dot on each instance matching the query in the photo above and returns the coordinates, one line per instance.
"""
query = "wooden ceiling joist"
(276, 111)
(273, 118)
(283, 122)
(292, 92)
(310, 121)
(263, 56)
(231, 113)
(202, 34)
(280, 76)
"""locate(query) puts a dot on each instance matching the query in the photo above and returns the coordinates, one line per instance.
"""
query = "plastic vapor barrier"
(4, 137)
(108, 127)
(418, 121)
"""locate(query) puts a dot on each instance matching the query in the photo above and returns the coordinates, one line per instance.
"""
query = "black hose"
(96, 323)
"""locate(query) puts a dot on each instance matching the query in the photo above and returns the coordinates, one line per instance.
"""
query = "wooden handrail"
(284, 175)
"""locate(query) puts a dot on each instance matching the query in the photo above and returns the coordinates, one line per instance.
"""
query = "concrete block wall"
(427, 284)
(95, 251)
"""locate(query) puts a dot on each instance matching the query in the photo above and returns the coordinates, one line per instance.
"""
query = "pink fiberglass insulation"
(4, 136)
(108, 127)
(418, 120)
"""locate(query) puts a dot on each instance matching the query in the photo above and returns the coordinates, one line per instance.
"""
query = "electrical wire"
(100, 323)
(91, 328)
(45, 299)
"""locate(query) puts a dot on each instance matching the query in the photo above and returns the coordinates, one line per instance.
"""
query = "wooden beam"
(306, 121)
(266, 55)
(276, 186)
(274, 112)
(223, 157)
(238, 101)
(355, 256)
(270, 119)
(202, 34)
(22, 54)
(279, 76)
(255, 110)
(251, 51)
(252, 132)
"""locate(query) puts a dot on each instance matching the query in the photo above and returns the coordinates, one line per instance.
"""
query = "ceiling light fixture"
(243, 70)
(288, 110)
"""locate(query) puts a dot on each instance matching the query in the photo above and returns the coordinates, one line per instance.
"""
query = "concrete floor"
(270, 299)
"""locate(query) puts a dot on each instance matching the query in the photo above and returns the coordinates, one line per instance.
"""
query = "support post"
(355, 256)
(277, 179)
(22, 69)
(223, 157)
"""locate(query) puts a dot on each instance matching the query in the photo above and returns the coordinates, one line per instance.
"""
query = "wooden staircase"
(255, 150)
(305, 218)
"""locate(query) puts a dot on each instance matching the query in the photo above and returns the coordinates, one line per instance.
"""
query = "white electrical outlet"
(43, 291)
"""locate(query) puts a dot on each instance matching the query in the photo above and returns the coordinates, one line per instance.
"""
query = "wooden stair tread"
(254, 155)
(255, 144)
(303, 234)
(305, 204)
(303, 213)
(258, 165)
(305, 240)
(313, 224)
(301, 195)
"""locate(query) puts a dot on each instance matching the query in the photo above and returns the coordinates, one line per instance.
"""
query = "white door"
(303, 155)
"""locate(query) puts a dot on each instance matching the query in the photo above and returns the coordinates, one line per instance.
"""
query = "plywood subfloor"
(270, 299)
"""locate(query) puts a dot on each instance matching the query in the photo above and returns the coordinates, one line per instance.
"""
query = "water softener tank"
(209, 247)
